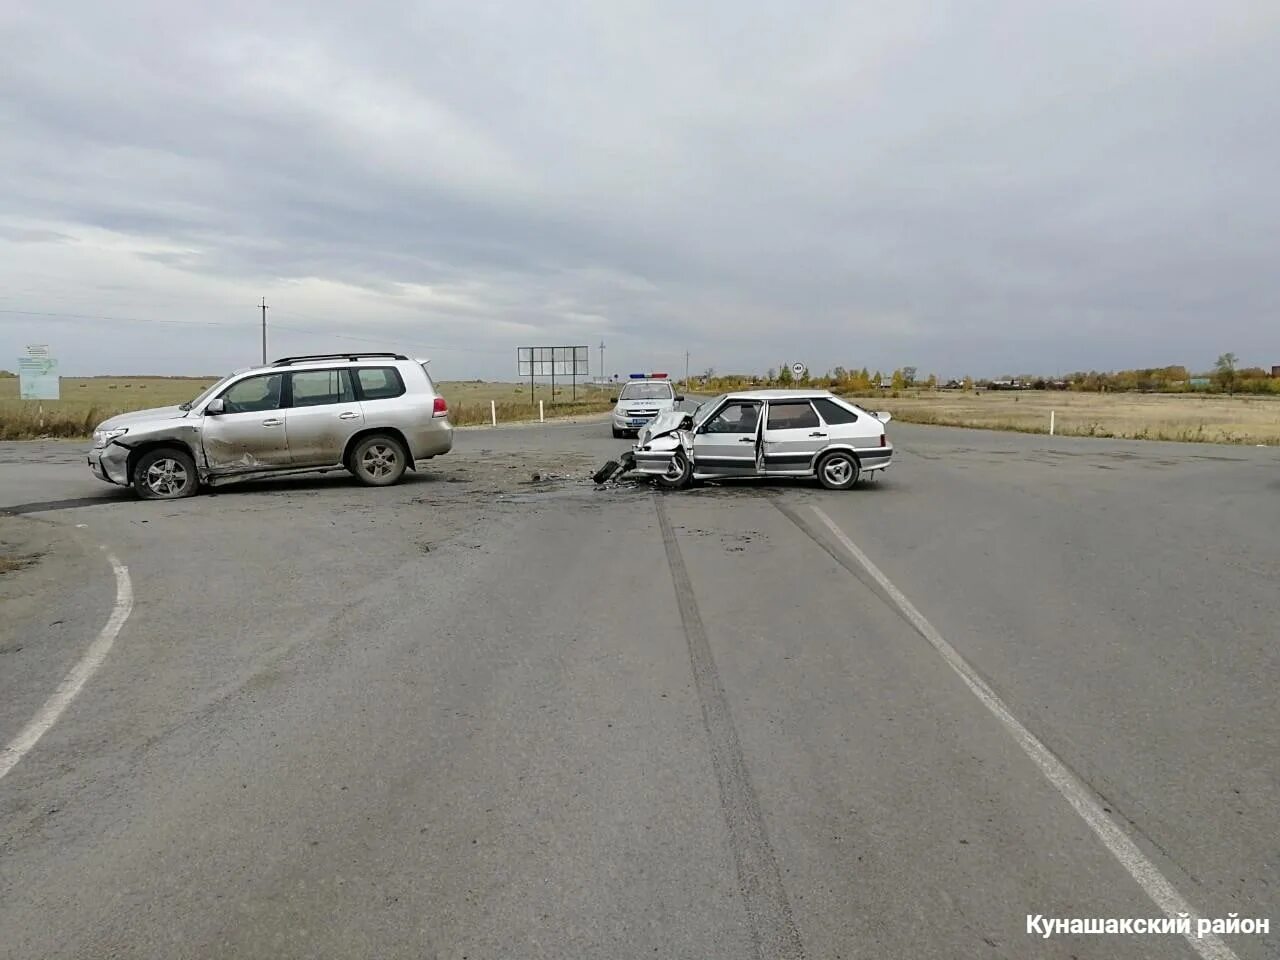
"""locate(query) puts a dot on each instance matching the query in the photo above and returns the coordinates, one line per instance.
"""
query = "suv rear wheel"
(379, 460)
(165, 474)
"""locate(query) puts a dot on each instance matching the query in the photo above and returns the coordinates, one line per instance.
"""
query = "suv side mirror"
(679, 398)
(215, 407)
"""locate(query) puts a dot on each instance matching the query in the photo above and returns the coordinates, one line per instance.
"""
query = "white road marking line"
(1159, 889)
(88, 664)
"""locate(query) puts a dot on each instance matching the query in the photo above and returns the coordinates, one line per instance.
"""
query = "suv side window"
(379, 383)
(254, 394)
(833, 413)
(313, 388)
(791, 415)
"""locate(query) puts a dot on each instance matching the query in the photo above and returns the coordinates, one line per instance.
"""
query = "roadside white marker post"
(1052, 414)
(541, 418)
(493, 412)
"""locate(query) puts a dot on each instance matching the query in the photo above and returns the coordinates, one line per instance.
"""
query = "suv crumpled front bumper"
(110, 463)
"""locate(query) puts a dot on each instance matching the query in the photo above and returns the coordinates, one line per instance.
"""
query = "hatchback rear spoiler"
(884, 416)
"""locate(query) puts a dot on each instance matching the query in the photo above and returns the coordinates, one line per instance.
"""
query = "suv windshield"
(646, 390)
(208, 392)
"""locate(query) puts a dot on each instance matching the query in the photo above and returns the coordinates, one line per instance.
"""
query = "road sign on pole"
(570, 362)
(38, 374)
(798, 370)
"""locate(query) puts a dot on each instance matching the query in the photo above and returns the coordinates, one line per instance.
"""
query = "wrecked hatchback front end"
(665, 436)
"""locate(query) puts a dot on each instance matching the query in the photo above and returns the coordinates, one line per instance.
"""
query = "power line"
(90, 316)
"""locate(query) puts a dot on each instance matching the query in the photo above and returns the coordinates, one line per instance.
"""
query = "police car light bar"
(637, 376)
(658, 376)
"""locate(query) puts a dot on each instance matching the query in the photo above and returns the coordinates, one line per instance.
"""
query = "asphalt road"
(480, 715)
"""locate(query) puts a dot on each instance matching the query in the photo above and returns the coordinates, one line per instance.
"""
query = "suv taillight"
(440, 408)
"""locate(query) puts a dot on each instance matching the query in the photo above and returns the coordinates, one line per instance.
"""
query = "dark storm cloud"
(982, 188)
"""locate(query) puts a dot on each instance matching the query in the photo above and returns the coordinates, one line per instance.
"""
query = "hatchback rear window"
(379, 383)
(832, 412)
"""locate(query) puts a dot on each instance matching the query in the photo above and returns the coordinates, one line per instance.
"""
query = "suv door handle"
(348, 415)
(273, 422)
(817, 433)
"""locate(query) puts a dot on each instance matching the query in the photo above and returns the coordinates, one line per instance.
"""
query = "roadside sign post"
(38, 374)
(570, 362)
(798, 370)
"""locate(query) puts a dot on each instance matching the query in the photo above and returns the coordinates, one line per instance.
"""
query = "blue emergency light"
(637, 376)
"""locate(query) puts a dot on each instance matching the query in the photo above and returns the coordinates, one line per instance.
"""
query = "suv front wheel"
(379, 460)
(165, 474)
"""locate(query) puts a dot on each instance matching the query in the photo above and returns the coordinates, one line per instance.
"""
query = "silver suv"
(374, 414)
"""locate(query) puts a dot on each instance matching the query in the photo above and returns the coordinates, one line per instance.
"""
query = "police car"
(644, 396)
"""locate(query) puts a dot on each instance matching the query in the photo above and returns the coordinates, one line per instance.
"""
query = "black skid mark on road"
(43, 506)
(773, 929)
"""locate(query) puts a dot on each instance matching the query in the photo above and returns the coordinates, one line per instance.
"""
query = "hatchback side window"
(738, 417)
(791, 415)
(379, 383)
(833, 413)
(313, 388)
(254, 394)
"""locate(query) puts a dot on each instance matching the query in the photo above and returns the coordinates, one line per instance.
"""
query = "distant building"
(1275, 371)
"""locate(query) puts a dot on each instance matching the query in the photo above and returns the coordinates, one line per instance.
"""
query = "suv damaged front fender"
(183, 433)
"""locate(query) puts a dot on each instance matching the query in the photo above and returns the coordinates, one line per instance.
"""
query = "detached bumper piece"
(623, 464)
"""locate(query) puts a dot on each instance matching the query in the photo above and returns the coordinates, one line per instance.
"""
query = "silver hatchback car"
(374, 414)
(765, 433)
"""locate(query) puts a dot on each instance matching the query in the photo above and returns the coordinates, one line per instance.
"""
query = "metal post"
(264, 331)
(493, 412)
(541, 416)
(1052, 417)
(553, 374)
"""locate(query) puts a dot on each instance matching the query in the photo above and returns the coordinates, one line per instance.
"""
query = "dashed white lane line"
(1149, 877)
(87, 665)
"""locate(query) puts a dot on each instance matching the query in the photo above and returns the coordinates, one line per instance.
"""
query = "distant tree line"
(1226, 377)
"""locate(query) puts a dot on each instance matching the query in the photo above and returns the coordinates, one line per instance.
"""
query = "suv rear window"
(833, 413)
(379, 383)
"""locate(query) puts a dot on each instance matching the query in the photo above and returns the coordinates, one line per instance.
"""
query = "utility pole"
(602, 373)
(686, 371)
(264, 331)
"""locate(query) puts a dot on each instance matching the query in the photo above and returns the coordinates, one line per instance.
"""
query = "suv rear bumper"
(431, 440)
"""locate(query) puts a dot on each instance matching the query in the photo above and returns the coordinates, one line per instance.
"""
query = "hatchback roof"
(778, 394)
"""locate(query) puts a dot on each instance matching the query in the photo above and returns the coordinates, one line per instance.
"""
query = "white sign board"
(38, 374)
(798, 370)
(552, 362)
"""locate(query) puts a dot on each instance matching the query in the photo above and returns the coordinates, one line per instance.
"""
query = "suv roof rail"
(349, 355)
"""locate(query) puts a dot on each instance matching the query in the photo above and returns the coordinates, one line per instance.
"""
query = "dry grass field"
(86, 402)
(1209, 418)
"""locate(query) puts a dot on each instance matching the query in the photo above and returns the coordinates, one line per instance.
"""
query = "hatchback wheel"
(838, 470)
(678, 474)
(165, 474)
(379, 461)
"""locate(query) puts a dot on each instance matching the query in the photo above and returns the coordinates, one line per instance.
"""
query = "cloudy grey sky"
(986, 187)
